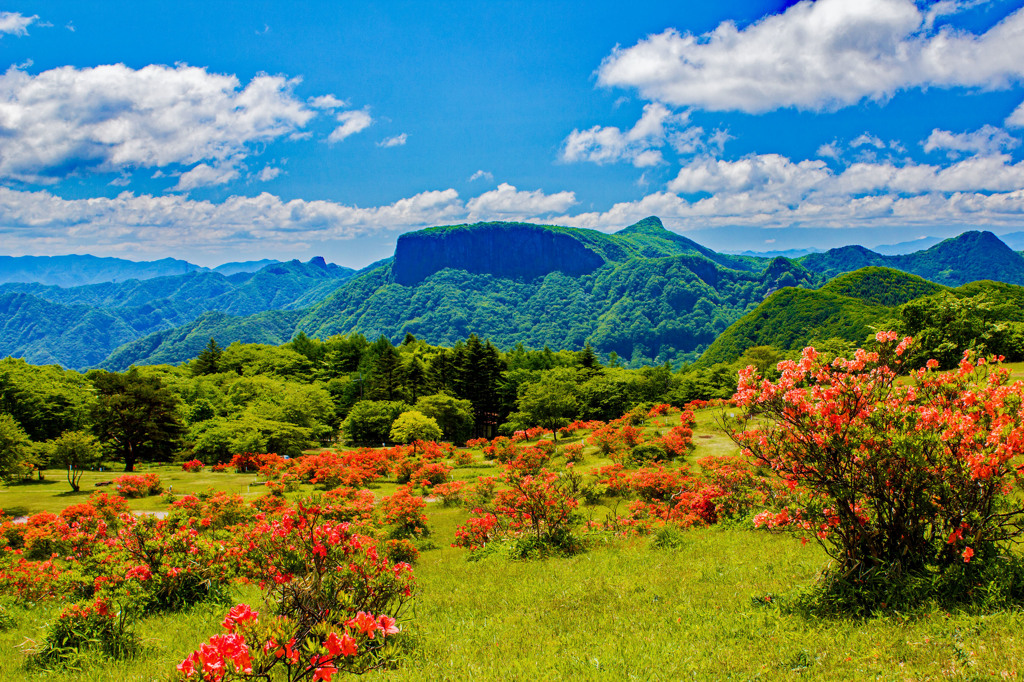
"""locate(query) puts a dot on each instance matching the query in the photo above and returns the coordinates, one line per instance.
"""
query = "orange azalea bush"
(895, 480)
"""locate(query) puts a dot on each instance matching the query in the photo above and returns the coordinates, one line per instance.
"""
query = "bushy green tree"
(454, 416)
(551, 402)
(135, 416)
(413, 425)
(16, 452)
(369, 421)
(74, 451)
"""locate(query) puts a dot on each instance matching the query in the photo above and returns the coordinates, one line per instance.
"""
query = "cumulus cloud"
(16, 23)
(868, 140)
(352, 122)
(817, 55)
(829, 149)
(772, 190)
(986, 140)
(327, 102)
(1016, 119)
(108, 118)
(639, 145)
(508, 203)
(481, 175)
(268, 173)
(205, 175)
(395, 141)
(41, 222)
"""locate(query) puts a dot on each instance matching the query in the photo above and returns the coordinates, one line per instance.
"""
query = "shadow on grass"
(74, 493)
(32, 482)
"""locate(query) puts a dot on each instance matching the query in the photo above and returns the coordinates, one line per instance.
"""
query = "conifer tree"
(208, 361)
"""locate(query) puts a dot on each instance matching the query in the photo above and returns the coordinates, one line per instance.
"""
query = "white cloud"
(327, 102)
(481, 175)
(352, 122)
(817, 55)
(205, 175)
(830, 150)
(396, 141)
(145, 225)
(1016, 119)
(268, 173)
(508, 203)
(16, 23)
(638, 145)
(109, 118)
(986, 140)
(770, 190)
(868, 140)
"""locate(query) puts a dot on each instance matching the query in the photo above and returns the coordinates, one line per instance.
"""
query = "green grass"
(622, 610)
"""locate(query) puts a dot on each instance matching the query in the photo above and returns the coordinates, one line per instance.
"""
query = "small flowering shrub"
(608, 440)
(192, 466)
(533, 515)
(571, 428)
(404, 512)
(502, 449)
(450, 494)
(81, 627)
(572, 452)
(903, 485)
(477, 442)
(332, 605)
(138, 485)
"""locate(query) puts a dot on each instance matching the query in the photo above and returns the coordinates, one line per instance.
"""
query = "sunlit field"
(713, 606)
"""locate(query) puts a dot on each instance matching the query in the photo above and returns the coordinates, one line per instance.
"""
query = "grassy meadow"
(714, 607)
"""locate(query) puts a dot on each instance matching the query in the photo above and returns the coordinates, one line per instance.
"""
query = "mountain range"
(644, 293)
(77, 270)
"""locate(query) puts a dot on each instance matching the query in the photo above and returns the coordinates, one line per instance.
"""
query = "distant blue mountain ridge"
(78, 270)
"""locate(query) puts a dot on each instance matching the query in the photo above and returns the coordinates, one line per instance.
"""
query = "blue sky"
(217, 131)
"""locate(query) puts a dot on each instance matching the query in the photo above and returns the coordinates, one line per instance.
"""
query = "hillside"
(968, 257)
(79, 270)
(80, 326)
(793, 318)
(985, 316)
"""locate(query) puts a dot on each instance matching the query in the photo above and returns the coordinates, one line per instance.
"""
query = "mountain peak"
(651, 223)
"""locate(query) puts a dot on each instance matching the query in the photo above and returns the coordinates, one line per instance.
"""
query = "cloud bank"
(820, 55)
(113, 118)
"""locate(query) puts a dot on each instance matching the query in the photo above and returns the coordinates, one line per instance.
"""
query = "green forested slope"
(80, 326)
(968, 257)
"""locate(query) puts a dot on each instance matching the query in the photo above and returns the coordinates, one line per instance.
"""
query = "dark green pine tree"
(208, 361)
(136, 415)
(385, 373)
(478, 367)
(415, 378)
(313, 349)
(441, 372)
(588, 362)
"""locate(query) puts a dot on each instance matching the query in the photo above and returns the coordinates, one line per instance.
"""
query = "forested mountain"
(967, 258)
(985, 316)
(80, 326)
(644, 294)
(78, 270)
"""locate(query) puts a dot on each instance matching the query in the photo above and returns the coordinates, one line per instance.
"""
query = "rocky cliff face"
(509, 250)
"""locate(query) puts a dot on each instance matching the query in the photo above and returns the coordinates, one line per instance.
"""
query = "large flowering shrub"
(896, 480)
